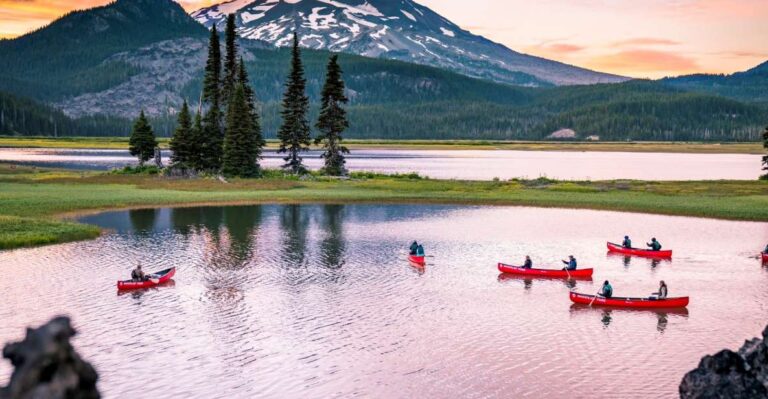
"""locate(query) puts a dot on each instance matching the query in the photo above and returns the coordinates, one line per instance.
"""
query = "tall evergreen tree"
(182, 143)
(765, 157)
(230, 60)
(250, 98)
(333, 120)
(240, 156)
(197, 132)
(294, 131)
(212, 133)
(142, 143)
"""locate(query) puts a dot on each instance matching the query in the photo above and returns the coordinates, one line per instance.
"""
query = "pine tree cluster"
(765, 157)
(226, 136)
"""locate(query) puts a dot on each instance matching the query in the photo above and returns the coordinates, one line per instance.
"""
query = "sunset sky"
(639, 38)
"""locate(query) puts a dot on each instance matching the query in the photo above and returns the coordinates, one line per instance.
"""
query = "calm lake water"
(318, 301)
(468, 165)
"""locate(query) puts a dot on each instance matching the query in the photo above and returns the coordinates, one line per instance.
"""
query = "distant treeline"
(636, 116)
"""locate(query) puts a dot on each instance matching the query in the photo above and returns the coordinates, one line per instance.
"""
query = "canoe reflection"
(607, 314)
(528, 280)
(626, 260)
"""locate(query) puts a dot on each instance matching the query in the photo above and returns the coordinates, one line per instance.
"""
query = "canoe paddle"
(593, 299)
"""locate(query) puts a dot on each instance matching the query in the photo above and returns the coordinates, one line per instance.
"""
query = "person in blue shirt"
(766, 250)
(627, 243)
(419, 250)
(607, 290)
(571, 263)
(414, 247)
(528, 263)
(654, 245)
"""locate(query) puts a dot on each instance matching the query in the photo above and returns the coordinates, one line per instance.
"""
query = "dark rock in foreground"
(728, 374)
(47, 366)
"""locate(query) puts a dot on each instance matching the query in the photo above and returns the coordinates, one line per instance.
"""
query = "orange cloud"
(640, 62)
(555, 50)
(645, 41)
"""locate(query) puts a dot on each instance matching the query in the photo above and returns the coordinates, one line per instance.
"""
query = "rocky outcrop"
(47, 366)
(729, 374)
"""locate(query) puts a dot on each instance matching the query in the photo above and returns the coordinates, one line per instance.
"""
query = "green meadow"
(36, 204)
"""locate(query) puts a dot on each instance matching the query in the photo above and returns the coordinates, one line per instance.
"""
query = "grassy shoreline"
(121, 143)
(33, 202)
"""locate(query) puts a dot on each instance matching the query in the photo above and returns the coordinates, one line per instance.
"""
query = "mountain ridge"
(394, 29)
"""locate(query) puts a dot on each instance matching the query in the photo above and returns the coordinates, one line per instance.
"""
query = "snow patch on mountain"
(409, 15)
(395, 29)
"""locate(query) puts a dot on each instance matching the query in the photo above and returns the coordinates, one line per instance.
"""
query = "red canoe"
(510, 269)
(765, 257)
(418, 260)
(162, 277)
(639, 252)
(637, 303)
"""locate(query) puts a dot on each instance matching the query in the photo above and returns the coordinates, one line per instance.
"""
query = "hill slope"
(65, 57)
(750, 85)
(393, 29)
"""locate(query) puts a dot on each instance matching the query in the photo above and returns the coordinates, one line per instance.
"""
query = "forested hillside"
(750, 85)
(65, 57)
(24, 117)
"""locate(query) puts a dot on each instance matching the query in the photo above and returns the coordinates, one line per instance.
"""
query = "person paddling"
(654, 245)
(419, 250)
(765, 251)
(570, 263)
(607, 290)
(627, 243)
(528, 263)
(414, 247)
(662, 294)
(137, 274)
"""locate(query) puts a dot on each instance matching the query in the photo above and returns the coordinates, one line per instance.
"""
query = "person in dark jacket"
(138, 275)
(766, 250)
(528, 263)
(607, 290)
(414, 247)
(654, 245)
(627, 243)
(663, 291)
(570, 263)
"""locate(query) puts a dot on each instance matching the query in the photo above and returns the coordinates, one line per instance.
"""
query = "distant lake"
(318, 301)
(467, 165)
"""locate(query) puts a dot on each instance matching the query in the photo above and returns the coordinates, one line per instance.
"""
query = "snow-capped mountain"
(395, 29)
